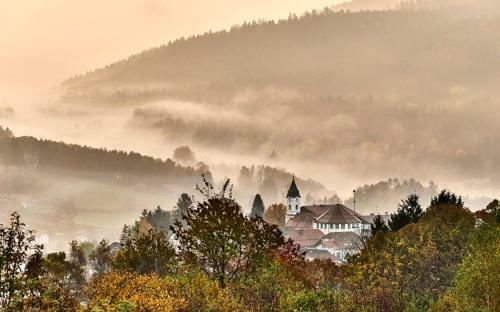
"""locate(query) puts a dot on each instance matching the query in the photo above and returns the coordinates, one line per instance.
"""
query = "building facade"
(324, 230)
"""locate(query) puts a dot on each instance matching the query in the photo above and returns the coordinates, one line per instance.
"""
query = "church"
(323, 231)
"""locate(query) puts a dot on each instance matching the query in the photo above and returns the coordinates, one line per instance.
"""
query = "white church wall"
(293, 207)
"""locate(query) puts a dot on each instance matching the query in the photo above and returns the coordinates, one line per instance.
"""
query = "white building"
(334, 228)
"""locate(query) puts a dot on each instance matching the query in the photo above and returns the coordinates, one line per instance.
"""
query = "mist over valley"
(385, 102)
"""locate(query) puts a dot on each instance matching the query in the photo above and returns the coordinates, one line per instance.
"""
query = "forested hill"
(395, 53)
(32, 153)
(44, 154)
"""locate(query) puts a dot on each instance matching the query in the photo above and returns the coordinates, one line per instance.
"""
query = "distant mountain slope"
(396, 53)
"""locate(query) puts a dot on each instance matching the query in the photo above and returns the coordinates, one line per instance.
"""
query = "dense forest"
(442, 259)
(49, 155)
(320, 53)
(45, 154)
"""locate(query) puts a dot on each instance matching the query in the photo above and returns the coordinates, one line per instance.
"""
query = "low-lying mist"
(343, 100)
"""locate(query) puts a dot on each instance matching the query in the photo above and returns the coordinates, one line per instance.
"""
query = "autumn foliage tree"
(275, 214)
(127, 291)
(20, 261)
(477, 282)
(220, 240)
(411, 268)
(145, 253)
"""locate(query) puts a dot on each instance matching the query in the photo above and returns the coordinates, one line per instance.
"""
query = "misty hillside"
(394, 53)
(348, 95)
(37, 154)
(68, 190)
(49, 155)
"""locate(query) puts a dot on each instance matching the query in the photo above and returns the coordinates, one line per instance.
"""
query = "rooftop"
(334, 214)
(304, 237)
(339, 240)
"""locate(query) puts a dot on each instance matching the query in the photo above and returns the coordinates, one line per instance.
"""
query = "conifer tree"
(378, 225)
(409, 211)
(183, 204)
(447, 198)
(257, 207)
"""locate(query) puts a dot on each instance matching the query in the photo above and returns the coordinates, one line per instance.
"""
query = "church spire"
(293, 199)
(293, 191)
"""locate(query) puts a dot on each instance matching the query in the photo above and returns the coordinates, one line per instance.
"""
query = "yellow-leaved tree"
(132, 292)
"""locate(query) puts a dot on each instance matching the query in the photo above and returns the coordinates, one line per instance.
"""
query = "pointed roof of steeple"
(293, 191)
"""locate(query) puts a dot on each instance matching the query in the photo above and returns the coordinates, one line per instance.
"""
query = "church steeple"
(293, 191)
(293, 199)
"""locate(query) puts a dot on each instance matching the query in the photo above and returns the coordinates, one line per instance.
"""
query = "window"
(349, 226)
(296, 207)
(289, 207)
(331, 226)
(337, 226)
(342, 226)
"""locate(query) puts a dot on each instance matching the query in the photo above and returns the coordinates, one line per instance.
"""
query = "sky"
(46, 41)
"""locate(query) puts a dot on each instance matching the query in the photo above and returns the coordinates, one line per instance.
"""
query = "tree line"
(45, 154)
(213, 257)
(321, 48)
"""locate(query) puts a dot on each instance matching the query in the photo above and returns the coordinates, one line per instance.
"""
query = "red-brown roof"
(334, 214)
(302, 220)
(339, 240)
(304, 237)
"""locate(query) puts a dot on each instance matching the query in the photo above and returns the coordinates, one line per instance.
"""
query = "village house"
(324, 231)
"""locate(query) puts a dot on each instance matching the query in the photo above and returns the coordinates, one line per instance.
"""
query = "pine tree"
(257, 207)
(378, 225)
(409, 211)
(183, 204)
(447, 198)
